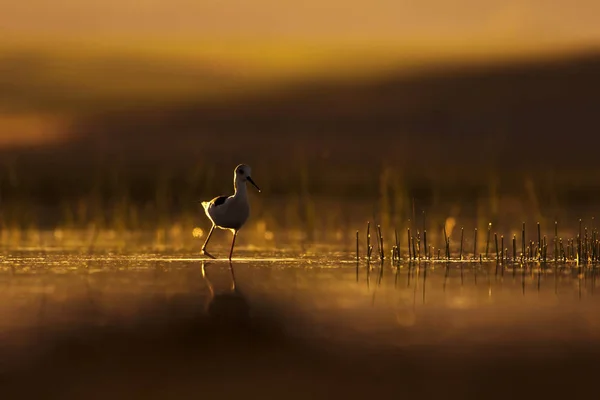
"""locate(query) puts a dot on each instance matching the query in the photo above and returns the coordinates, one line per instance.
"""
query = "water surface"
(175, 324)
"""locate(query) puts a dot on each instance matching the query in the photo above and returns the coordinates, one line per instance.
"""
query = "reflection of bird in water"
(229, 307)
(230, 212)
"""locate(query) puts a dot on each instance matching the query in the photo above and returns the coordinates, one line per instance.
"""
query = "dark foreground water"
(283, 325)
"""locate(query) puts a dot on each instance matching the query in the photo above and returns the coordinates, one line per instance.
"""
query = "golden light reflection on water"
(320, 296)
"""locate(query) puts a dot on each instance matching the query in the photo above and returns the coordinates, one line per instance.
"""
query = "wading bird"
(230, 212)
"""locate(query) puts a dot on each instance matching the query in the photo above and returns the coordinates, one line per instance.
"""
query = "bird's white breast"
(232, 214)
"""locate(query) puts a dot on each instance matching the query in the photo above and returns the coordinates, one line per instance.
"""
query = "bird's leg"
(232, 244)
(206, 242)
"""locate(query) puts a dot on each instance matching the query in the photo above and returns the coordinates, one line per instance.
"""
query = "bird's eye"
(240, 171)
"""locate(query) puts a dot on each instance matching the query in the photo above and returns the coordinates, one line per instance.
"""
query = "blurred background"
(119, 115)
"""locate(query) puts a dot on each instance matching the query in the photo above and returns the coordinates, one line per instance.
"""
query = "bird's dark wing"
(217, 201)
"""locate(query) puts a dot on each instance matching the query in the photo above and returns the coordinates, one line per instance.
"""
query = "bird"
(230, 212)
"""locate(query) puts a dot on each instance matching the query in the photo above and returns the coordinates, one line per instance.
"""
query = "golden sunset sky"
(311, 20)
(87, 55)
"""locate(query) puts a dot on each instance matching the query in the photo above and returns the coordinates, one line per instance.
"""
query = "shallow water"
(312, 320)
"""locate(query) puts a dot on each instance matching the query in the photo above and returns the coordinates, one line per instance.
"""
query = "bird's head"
(242, 174)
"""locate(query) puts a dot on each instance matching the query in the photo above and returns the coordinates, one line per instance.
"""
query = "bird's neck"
(240, 188)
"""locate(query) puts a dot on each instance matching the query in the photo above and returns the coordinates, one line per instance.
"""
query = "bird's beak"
(252, 182)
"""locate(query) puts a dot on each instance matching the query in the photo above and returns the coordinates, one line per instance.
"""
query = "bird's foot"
(206, 253)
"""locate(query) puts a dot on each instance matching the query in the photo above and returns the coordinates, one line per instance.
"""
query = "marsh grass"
(534, 258)
(113, 204)
(462, 237)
